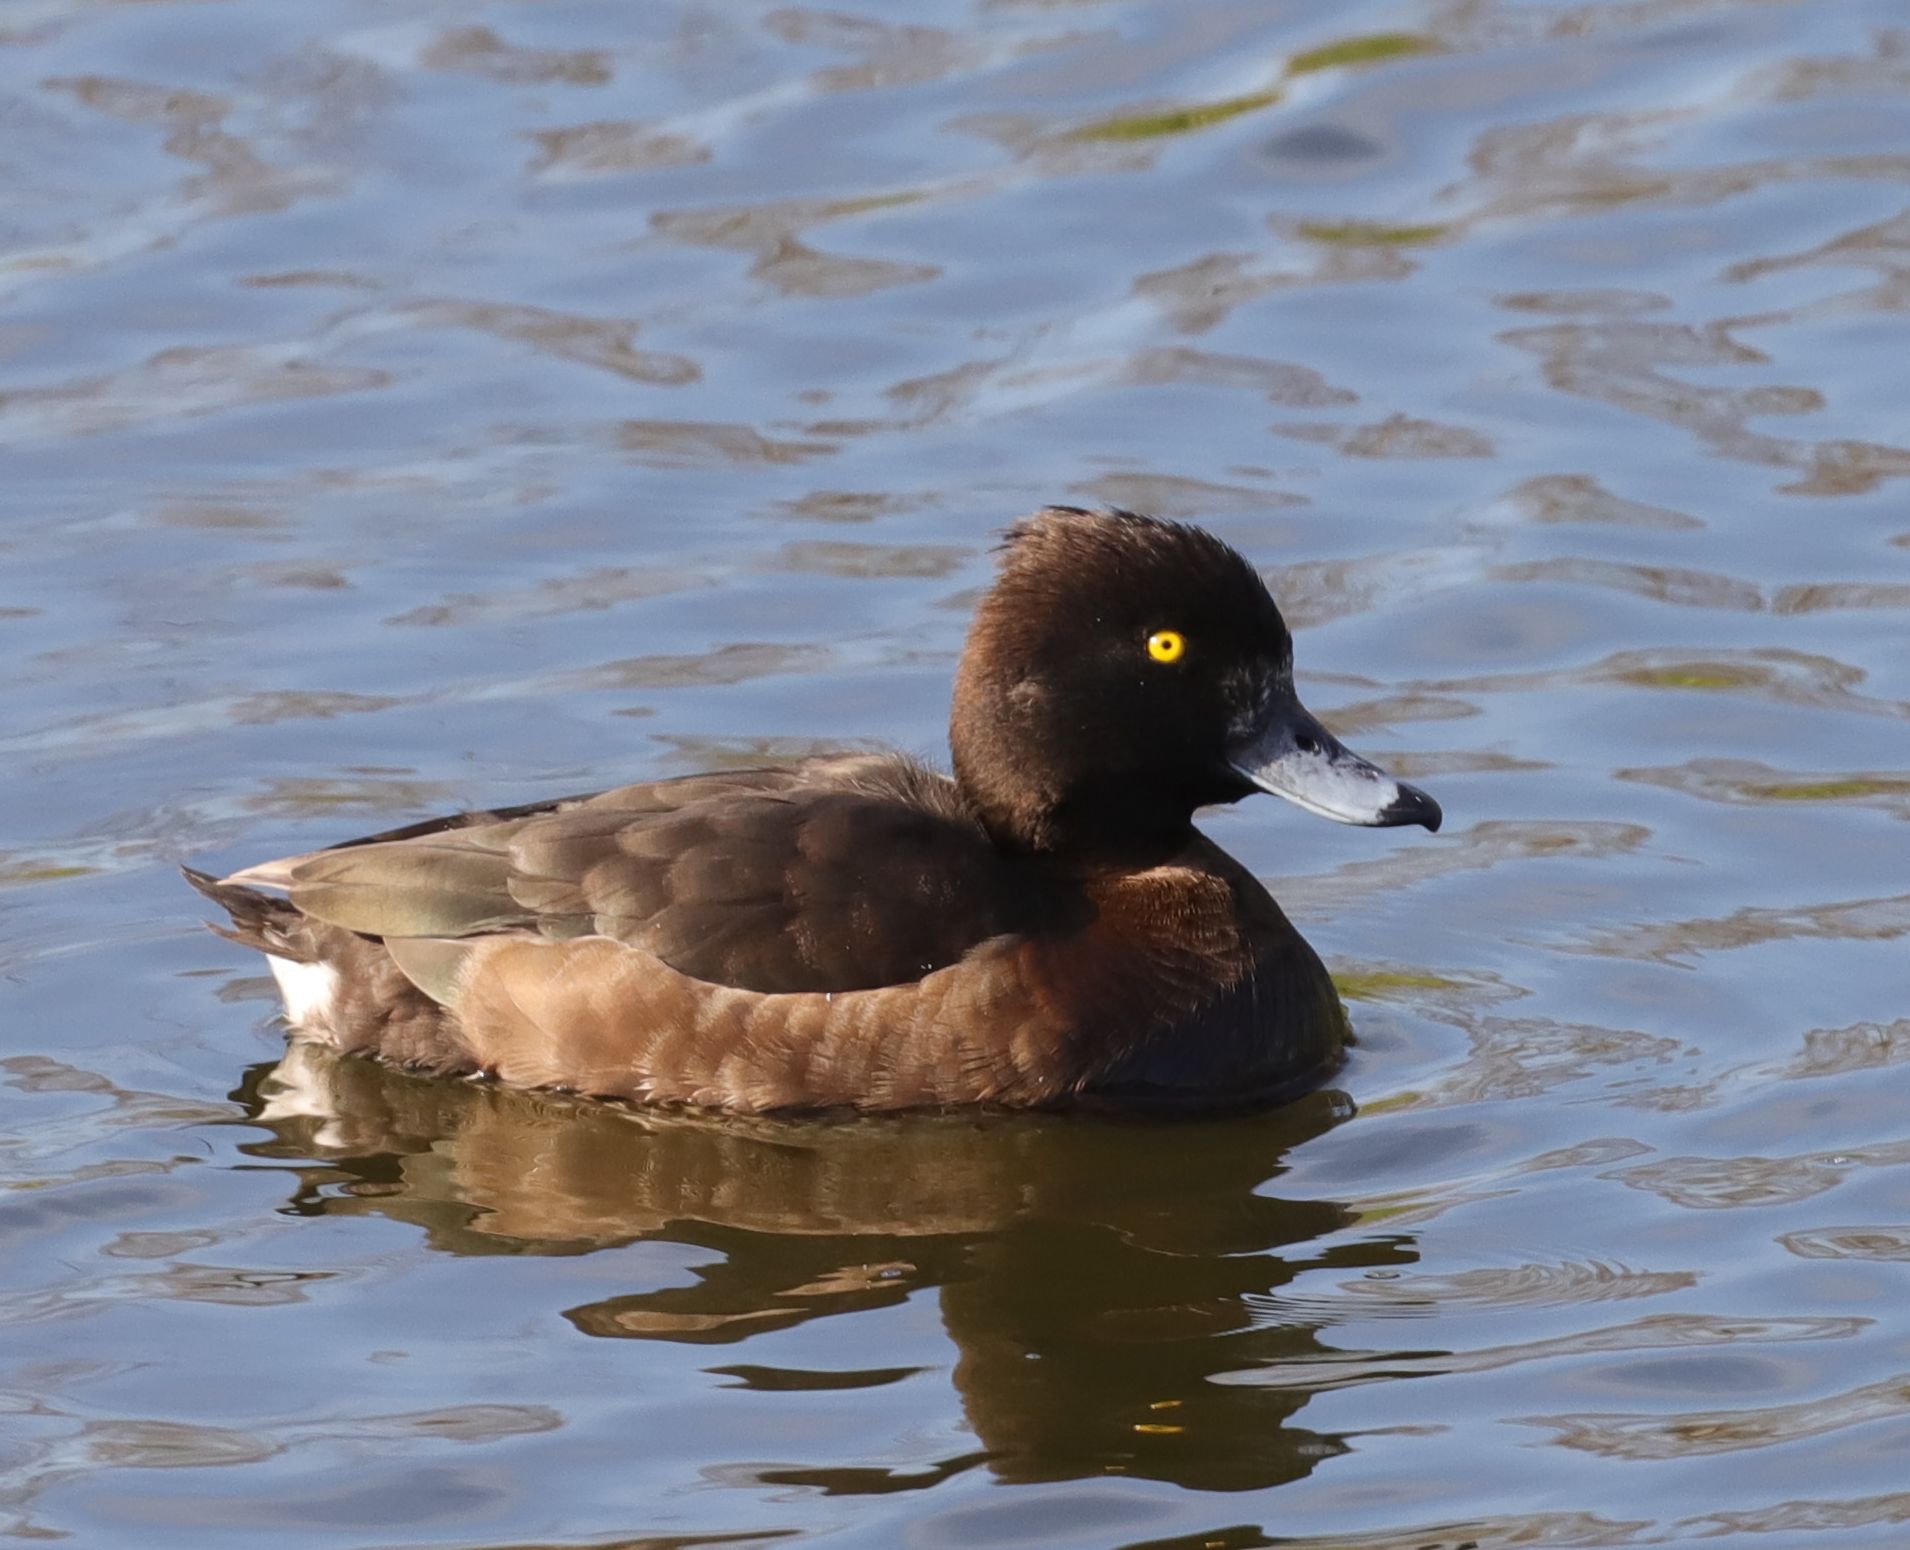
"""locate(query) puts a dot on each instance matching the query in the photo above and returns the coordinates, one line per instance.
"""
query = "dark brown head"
(1124, 671)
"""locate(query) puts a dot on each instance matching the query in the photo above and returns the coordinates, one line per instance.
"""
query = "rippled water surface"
(406, 405)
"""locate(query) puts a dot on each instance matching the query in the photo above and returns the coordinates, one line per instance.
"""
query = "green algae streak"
(38, 872)
(1687, 678)
(1367, 50)
(1385, 984)
(1833, 790)
(1177, 121)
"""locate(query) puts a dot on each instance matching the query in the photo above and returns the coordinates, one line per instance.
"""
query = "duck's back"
(831, 875)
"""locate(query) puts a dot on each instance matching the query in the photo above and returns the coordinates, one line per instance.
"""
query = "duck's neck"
(1116, 825)
(1103, 822)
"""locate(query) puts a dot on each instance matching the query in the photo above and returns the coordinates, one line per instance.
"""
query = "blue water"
(406, 406)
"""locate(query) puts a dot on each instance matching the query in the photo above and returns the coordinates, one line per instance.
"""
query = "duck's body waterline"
(1045, 929)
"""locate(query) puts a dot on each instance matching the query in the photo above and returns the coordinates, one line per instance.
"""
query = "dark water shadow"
(1094, 1273)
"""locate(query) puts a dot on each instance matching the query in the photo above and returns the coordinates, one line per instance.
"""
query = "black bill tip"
(1411, 806)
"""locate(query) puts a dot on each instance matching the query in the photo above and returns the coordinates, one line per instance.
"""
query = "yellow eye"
(1166, 646)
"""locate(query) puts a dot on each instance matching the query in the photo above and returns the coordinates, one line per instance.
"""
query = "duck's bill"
(1293, 756)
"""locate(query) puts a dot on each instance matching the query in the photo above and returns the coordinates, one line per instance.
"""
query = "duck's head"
(1124, 671)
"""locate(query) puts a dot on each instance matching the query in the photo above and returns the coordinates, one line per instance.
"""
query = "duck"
(1044, 928)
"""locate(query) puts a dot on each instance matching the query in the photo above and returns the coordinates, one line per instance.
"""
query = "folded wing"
(836, 875)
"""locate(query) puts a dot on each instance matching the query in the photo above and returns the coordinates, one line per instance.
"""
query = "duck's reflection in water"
(1095, 1273)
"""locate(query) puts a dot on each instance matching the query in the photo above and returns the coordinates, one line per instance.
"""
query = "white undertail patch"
(308, 990)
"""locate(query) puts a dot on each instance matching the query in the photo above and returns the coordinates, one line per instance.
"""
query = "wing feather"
(831, 876)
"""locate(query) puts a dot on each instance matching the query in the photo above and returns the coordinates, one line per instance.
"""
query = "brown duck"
(1046, 928)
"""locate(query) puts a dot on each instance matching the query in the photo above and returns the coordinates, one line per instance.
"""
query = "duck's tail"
(338, 987)
(272, 925)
